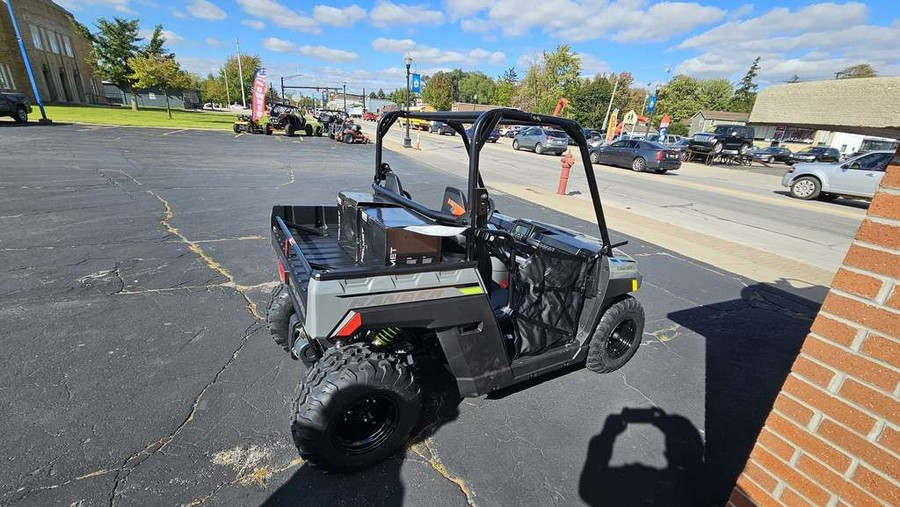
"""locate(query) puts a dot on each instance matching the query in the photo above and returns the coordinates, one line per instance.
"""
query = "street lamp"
(345, 96)
(407, 142)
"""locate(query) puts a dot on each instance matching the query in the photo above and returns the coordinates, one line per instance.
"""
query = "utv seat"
(454, 201)
(392, 183)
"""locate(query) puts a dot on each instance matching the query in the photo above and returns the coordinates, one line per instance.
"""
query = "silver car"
(541, 140)
(857, 177)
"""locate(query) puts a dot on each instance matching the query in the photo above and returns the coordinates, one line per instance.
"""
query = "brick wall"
(833, 436)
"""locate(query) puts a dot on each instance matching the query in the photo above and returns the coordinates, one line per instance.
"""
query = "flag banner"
(259, 95)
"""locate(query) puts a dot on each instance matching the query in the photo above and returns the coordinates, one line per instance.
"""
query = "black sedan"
(772, 154)
(441, 128)
(638, 155)
(493, 137)
(817, 154)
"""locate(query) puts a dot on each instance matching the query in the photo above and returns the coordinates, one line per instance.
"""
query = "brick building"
(833, 435)
(58, 54)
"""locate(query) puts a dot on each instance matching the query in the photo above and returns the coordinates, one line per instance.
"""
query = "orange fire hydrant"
(567, 162)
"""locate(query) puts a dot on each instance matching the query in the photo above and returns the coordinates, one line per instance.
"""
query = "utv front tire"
(617, 337)
(354, 409)
(278, 316)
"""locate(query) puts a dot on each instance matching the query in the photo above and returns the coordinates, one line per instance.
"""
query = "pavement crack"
(132, 462)
(168, 215)
(95, 473)
(290, 181)
(635, 389)
(425, 451)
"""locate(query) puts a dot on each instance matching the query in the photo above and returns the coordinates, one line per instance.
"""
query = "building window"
(6, 80)
(36, 37)
(54, 44)
(67, 45)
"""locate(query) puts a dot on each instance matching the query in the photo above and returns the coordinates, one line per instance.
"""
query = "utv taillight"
(282, 274)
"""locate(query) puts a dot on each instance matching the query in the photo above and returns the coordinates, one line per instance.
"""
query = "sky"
(363, 43)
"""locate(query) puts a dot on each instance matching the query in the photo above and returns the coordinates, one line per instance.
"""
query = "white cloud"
(316, 52)
(179, 14)
(280, 15)
(122, 6)
(168, 36)
(740, 12)
(254, 23)
(212, 41)
(200, 65)
(813, 42)
(204, 9)
(591, 65)
(423, 54)
(462, 8)
(386, 13)
(334, 16)
(582, 20)
(393, 45)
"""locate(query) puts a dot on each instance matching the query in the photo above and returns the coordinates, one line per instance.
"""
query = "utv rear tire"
(236, 128)
(354, 409)
(308, 130)
(318, 131)
(289, 130)
(617, 337)
(278, 316)
(348, 138)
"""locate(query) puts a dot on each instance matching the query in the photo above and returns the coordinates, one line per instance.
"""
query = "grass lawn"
(146, 117)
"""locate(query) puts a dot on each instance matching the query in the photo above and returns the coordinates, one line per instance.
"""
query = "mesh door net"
(548, 291)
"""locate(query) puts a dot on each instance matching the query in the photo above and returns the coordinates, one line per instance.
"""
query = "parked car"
(541, 140)
(736, 138)
(638, 155)
(441, 128)
(369, 116)
(493, 137)
(772, 154)
(681, 146)
(857, 177)
(15, 105)
(817, 154)
(510, 130)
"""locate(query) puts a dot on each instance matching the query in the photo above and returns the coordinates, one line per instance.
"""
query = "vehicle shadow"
(751, 343)
(840, 201)
(31, 123)
(380, 485)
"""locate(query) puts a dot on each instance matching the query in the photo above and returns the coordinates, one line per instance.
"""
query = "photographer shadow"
(638, 484)
(382, 484)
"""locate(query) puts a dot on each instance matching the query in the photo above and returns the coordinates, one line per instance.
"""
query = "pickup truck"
(15, 105)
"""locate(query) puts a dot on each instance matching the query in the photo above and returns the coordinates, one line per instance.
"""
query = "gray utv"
(379, 287)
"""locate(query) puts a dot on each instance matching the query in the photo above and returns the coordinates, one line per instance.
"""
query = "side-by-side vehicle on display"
(379, 289)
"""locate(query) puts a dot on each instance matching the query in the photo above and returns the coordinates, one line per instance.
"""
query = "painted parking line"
(175, 132)
(239, 135)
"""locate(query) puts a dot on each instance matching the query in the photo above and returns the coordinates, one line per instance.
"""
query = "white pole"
(241, 74)
(608, 108)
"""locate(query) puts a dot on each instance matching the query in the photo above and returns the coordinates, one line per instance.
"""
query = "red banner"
(259, 95)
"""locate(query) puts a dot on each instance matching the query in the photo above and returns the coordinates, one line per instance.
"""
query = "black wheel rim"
(366, 424)
(621, 339)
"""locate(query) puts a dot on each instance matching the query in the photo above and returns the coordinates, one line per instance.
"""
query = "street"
(138, 370)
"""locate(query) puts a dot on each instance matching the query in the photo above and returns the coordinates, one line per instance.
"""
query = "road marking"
(238, 135)
(174, 132)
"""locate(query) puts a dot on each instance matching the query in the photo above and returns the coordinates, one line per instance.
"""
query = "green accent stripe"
(468, 291)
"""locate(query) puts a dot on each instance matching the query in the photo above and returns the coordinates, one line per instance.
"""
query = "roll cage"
(483, 122)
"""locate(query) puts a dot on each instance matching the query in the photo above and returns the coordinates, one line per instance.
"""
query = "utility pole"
(407, 142)
(227, 91)
(364, 100)
(609, 107)
(345, 97)
(34, 89)
(241, 74)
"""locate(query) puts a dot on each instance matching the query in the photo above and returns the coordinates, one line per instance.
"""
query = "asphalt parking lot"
(137, 371)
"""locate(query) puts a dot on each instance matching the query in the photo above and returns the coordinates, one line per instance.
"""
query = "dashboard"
(547, 237)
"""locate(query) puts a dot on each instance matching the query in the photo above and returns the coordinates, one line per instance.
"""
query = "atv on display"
(352, 134)
(246, 124)
(380, 290)
(288, 119)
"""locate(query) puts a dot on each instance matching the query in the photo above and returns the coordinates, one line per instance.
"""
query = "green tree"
(250, 64)
(506, 87)
(438, 91)
(856, 71)
(113, 46)
(398, 97)
(213, 89)
(155, 71)
(154, 46)
(476, 87)
(794, 79)
(381, 95)
(745, 94)
(678, 128)
(714, 94)
(549, 80)
(679, 98)
(588, 100)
